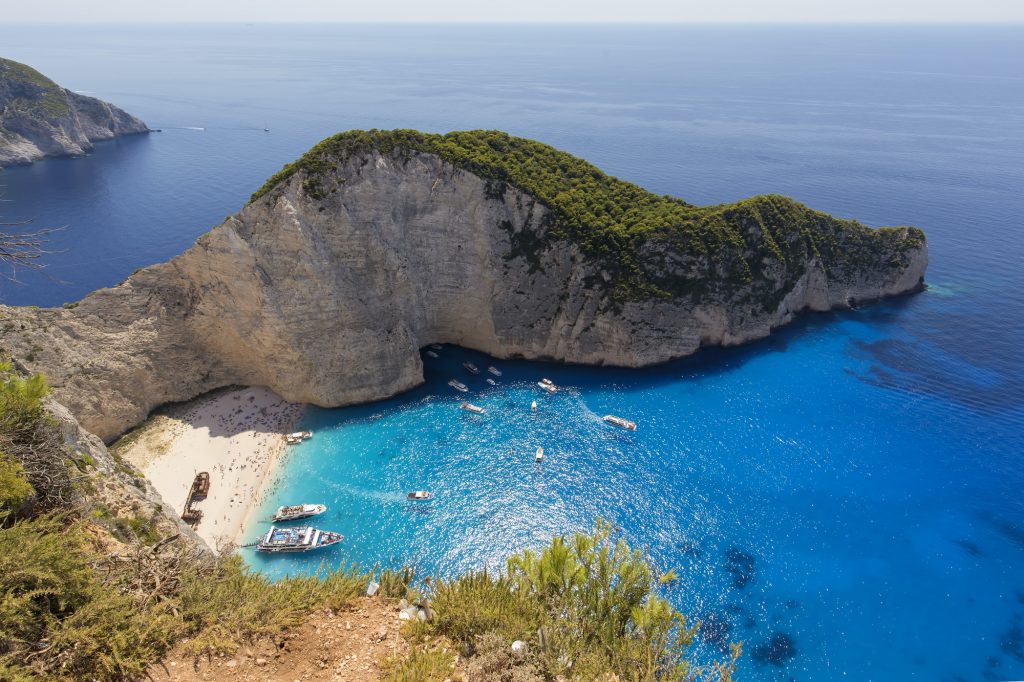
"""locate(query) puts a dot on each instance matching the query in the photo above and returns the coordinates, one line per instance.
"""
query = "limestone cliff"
(38, 118)
(327, 284)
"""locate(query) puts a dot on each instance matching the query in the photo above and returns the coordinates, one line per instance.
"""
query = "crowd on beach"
(236, 436)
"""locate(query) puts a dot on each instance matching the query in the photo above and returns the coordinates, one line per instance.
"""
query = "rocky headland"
(39, 118)
(325, 286)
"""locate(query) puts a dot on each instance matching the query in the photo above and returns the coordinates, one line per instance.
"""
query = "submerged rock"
(777, 651)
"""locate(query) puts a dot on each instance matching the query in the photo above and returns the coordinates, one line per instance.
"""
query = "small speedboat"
(420, 496)
(470, 367)
(298, 511)
(620, 422)
(547, 385)
(533, 406)
(494, 370)
(458, 385)
(432, 354)
(492, 382)
(470, 407)
(540, 454)
(302, 539)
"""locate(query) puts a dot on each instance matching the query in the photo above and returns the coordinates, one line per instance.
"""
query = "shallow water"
(844, 497)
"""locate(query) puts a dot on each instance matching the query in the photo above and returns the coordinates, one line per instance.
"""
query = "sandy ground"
(348, 646)
(236, 435)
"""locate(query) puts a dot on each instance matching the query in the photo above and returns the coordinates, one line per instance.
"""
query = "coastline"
(237, 435)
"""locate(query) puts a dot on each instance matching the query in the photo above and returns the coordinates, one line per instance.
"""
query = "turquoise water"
(793, 493)
(849, 489)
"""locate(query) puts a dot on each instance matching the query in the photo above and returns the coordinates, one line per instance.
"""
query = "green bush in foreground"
(584, 604)
(586, 607)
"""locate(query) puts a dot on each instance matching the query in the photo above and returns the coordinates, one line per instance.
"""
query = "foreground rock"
(328, 283)
(38, 118)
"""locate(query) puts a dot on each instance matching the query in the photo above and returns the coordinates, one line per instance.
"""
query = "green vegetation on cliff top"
(30, 91)
(611, 219)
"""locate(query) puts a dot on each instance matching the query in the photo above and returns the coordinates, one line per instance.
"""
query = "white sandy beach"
(235, 435)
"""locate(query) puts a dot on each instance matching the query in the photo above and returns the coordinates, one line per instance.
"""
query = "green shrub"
(58, 620)
(421, 665)
(232, 604)
(585, 604)
(15, 490)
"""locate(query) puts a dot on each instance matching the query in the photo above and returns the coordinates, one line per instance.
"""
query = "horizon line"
(526, 22)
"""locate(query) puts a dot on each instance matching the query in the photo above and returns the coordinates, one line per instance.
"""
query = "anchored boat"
(297, 437)
(470, 407)
(492, 382)
(494, 370)
(302, 539)
(620, 422)
(420, 496)
(540, 454)
(432, 354)
(435, 346)
(458, 385)
(473, 369)
(547, 385)
(533, 406)
(298, 511)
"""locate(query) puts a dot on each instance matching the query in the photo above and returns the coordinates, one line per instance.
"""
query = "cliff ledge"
(374, 244)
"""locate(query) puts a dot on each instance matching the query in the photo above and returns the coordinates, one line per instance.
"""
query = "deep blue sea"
(851, 490)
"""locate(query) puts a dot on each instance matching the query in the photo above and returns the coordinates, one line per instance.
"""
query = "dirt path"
(344, 646)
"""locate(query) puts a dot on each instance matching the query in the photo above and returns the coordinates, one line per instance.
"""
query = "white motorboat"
(458, 385)
(420, 496)
(540, 454)
(494, 370)
(432, 354)
(435, 346)
(471, 368)
(301, 539)
(492, 382)
(533, 406)
(297, 437)
(298, 511)
(620, 422)
(470, 407)
(547, 385)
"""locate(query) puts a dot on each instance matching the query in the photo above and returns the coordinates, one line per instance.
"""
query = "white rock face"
(38, 118)
(329, 301)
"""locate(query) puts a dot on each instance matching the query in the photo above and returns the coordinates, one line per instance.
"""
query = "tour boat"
(540, 454)
(298, 511)
(471, 367)
(432, 354)
(458, 385)
(620, 422)
(494, 370)
(492, 382)
(533, 406)
(297, 437)
(547, 385)
(301, 539)
(470, 407)
(420, 496)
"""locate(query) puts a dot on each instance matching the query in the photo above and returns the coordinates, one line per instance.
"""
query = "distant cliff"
(39, 118)
(375, 244)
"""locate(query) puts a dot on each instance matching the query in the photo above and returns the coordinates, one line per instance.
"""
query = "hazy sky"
(519, 10)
